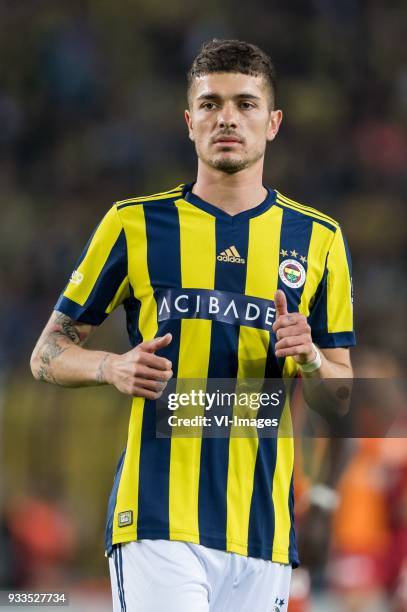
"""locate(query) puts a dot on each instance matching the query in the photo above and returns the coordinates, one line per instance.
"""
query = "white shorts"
(165, 576)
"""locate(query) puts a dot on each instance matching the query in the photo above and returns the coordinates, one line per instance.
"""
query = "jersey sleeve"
(331, 315)
(100, 281)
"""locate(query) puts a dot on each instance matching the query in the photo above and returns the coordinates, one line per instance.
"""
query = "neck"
(232, 193)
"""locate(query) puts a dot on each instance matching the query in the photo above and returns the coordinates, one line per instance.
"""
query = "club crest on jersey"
(292, 273)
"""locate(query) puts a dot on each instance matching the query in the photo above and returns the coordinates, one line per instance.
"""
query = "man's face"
(230, 120)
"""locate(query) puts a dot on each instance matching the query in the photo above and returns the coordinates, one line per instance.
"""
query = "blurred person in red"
(44, 540)
(369, 548)
(320, 462)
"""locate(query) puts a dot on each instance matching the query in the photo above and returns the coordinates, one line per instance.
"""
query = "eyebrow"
(214, 96)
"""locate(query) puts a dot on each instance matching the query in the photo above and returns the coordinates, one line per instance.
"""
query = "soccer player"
(220, 278)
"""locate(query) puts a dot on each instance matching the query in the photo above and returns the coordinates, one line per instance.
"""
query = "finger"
(280, 302)
(150, 346)
(300, 328)
(303, 339)
(144, 371)
(153, 361)
(293, 351)
(151, 385)
(287, 320)
(147, 393)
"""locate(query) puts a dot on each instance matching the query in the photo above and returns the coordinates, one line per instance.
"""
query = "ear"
(276, 116)
(188, 119)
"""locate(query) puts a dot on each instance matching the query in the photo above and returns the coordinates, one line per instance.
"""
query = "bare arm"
(333, 397)
(59, 358)
(294, 339)
(335, 364)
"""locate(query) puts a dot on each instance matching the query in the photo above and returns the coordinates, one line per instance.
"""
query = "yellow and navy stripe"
(105, 282)
(162, 243)
(163, 195)
(282, 200)
(223, 363)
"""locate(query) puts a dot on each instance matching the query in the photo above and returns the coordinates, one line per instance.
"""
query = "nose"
(227, 117)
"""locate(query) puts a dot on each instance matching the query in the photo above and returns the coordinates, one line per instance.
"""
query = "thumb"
(280, 302)
(151, 346)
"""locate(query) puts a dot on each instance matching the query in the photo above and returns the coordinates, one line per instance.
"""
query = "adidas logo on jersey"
(231, 255)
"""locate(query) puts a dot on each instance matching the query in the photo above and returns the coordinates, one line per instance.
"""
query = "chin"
(229, 164)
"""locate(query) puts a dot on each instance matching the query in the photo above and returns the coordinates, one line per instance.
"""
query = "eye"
(246, 105)
(208, 105)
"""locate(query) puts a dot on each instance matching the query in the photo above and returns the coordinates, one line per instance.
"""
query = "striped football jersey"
(179, 264)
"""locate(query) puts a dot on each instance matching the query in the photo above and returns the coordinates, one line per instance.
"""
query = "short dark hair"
(233, 56)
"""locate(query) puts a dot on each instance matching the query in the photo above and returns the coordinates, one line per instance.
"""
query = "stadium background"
(91, 110)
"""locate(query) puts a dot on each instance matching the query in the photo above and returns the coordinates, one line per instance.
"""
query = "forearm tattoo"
(60, 338)
(45, 375)
(100, 373)
(67, 327)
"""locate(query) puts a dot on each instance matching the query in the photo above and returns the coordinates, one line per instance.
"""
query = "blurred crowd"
(91, 108)
(92, 95)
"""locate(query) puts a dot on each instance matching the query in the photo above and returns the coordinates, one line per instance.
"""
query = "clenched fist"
(293, 332)
(139, 372)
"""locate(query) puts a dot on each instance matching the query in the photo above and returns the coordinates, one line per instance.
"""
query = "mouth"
(227, 140)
